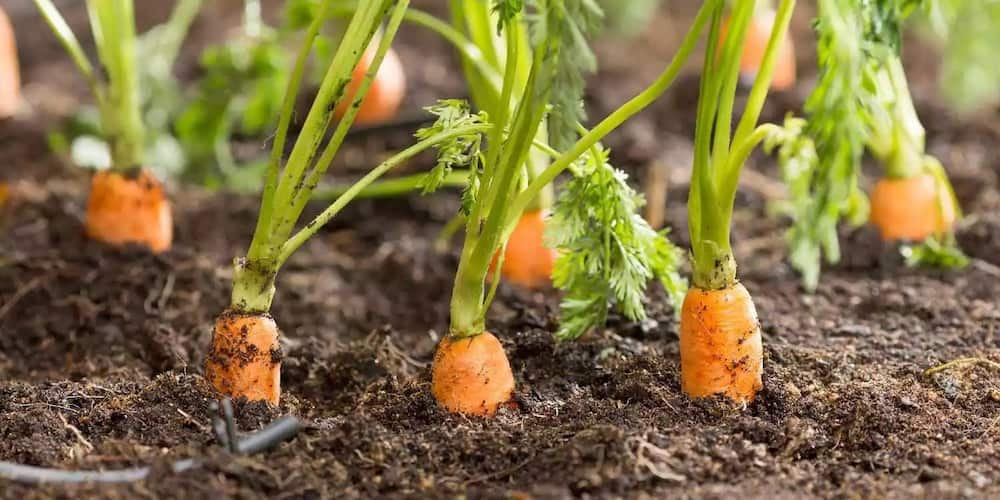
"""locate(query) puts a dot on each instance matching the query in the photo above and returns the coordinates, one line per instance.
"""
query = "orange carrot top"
(915, 200)
(125, 208)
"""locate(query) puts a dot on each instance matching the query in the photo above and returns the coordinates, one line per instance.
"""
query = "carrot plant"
(610, 252)
(127, 203)
(10, 72)
(720, 341)
(862, 101)
(244, 359)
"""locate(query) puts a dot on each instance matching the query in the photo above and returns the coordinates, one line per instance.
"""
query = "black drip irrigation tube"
(278, 431)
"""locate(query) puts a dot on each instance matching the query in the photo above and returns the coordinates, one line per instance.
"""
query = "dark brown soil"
(101, 349)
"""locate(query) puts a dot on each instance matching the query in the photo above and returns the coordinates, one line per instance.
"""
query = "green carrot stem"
(391, 188)
(302, 191)
(261, 244)
(354, 191)
(619, 116)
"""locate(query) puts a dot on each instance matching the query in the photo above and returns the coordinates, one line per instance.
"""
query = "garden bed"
(101, 349)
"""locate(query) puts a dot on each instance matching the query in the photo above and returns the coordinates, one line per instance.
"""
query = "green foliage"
(970, 75)
(241, 90)
(608, 251)
(507, 10)
(822, 177)
(460, 151)
(940, 252)
(630, 17)
(567, 24)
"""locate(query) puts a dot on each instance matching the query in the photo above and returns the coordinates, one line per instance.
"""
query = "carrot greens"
(290, 183)
(861, 101)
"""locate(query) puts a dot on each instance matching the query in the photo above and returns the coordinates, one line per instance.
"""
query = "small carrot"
(527, 261)
(912, 208)
(385, 96)
(123, 209)
(720, 342)
(755, 46)
(471, 375)
(10, 74)
(245, 358)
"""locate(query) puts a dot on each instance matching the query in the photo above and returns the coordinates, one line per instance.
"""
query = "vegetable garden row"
(543, 218)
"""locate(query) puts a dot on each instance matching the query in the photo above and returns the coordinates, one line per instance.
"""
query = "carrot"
(720, 342)
(471, 375)
(126, 209)
(911, 209)
(10, 75)
(755, 46)
(385, 96)
(245, 358)
(527, 261)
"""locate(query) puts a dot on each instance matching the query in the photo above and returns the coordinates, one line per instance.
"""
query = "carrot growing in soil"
(862, 100)
(127, 204)
(10, 72)
(245, 358)
(471, 373)
(720, 341)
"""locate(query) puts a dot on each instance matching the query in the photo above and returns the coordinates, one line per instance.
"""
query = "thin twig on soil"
(20, 293)
(76, 432)
(652, 458)
(961, 362)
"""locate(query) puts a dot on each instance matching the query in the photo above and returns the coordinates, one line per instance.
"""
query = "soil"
(101, 349)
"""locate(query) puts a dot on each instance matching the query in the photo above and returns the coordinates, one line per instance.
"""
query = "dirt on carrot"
(720, 344)
(472, 376)
(244, 360)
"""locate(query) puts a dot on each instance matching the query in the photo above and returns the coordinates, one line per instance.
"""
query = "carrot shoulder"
(245, 357)
(10, 74)
(385, 96)
(912, 208)
(720, 343)
(123, 210)
(472, 375)
(527, 261)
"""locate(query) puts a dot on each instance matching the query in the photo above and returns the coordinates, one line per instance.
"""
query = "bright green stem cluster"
(112, 23)
(499, 211)
(721, 153)
(288, 187)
